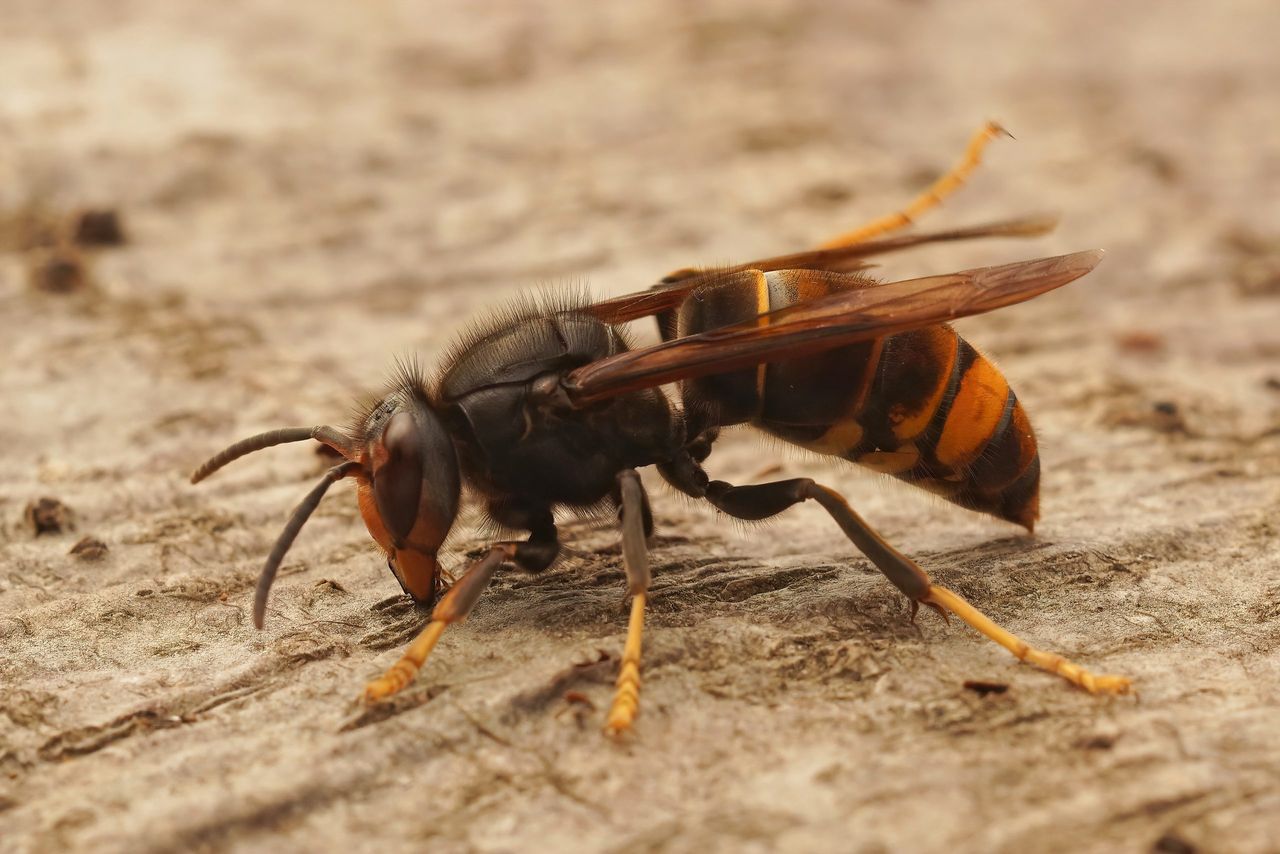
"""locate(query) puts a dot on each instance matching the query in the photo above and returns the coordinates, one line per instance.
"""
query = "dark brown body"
(519, 445)
(923, 406)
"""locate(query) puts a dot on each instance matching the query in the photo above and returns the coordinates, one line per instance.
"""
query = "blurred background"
(219, 218)
(324, 182)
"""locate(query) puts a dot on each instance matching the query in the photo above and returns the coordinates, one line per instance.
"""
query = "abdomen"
(923, 406)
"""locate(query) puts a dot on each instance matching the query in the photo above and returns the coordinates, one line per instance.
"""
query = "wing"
(672, 290)
(831, 321)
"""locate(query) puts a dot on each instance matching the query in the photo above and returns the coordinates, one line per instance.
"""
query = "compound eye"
(397, 476)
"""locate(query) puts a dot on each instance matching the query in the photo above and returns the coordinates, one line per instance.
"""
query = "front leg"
(532, 555)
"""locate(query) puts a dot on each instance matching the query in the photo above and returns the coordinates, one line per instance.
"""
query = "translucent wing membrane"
(842, 259)
(821, 324)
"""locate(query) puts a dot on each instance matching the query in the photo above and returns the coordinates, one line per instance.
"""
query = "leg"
(635, 556)
(454, 607)
(759, 502)
(533, 555)
(543, 546)
(940, 189)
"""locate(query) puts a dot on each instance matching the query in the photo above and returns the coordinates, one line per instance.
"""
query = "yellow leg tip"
(621, 717)
(377, 690)
(1107, 683)
(626, 696)
(390, 683)
(406, 669)
(947, 600)
(930, 198)
(994, 129)
(626, 701)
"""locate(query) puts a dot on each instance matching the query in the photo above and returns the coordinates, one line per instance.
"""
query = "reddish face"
(408, 491)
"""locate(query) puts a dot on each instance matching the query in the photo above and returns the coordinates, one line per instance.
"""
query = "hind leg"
(930, 198)
(770, 499)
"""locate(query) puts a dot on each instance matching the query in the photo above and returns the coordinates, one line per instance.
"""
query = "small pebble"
(57, 270)
(89, 548)
(48, 516)
(98, 227)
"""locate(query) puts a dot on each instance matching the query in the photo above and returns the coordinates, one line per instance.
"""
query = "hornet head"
(407, 484)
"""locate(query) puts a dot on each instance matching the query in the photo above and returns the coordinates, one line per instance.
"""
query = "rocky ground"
(305, 193)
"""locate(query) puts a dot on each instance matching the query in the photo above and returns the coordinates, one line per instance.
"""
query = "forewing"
(832, 321)
(672, 290)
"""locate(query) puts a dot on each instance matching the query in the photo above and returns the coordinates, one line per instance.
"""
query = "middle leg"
(637, 523)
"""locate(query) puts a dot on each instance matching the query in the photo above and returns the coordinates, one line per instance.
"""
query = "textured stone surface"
(311, 191)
